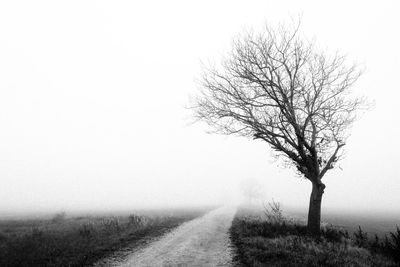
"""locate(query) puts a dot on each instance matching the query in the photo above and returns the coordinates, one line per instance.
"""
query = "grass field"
(82, 240)
(273, 240)
(372, 222)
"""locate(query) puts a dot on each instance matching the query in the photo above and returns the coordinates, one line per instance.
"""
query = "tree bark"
(314, 211)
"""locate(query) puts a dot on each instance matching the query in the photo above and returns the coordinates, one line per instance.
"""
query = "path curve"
(201, 242)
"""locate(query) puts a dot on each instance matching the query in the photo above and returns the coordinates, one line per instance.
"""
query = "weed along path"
(201, 242)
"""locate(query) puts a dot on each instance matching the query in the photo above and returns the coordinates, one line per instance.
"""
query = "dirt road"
(201, 242)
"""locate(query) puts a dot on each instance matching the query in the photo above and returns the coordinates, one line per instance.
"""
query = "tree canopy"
(279, 88)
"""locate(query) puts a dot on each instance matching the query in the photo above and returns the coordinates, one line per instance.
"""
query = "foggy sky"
(93, 96)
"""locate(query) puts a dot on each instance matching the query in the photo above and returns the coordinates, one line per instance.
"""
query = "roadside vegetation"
(81, 241)
(270, 239)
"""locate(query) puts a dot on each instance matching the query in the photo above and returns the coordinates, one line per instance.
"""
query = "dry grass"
(80, 241)
(262, 242)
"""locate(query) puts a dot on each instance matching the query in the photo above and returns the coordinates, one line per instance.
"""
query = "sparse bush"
(273, 212)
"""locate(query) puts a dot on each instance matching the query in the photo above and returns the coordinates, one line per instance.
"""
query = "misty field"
(269, 238)
(83, 240)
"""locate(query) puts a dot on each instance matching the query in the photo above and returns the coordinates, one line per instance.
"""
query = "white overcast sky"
(93, 96)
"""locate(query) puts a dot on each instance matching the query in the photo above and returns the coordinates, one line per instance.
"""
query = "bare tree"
(279, 88)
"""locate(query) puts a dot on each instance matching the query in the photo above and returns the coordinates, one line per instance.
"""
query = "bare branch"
(278, 88)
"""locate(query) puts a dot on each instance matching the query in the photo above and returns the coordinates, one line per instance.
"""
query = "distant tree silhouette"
(251, 190)
(279, 88)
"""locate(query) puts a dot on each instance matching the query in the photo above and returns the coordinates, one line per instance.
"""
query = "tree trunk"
(314, 211)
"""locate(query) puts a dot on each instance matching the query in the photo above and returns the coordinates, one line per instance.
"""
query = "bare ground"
(201, 242)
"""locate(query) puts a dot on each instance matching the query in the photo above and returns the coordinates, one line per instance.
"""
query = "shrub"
(273, 212)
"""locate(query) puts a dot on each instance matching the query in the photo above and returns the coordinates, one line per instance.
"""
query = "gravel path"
(201, 242)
